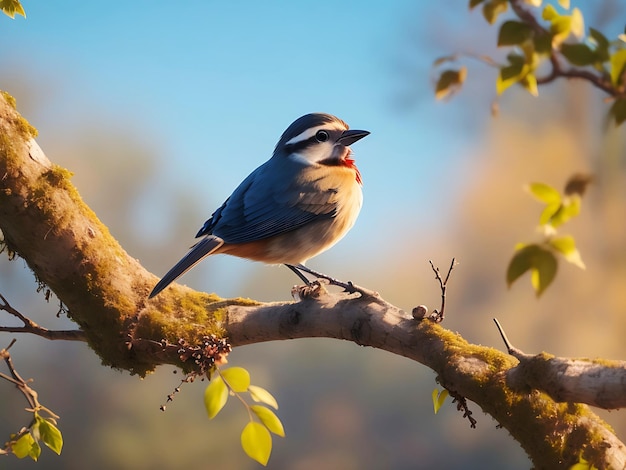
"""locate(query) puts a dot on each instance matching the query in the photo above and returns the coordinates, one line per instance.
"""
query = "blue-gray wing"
(272, 200)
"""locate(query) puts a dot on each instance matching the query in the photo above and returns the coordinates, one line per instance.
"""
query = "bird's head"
(319, 139)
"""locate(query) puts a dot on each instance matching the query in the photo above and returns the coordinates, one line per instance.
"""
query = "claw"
(313, 290)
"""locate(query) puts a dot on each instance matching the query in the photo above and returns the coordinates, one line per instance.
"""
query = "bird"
(296, 205)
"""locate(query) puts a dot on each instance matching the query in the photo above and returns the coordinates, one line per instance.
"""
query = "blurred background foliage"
(456, 191)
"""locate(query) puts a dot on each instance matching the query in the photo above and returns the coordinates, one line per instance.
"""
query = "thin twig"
(512, 350)
(438, 315)
(29, 326)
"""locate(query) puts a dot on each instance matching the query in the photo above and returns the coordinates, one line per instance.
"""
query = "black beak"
(351, 136)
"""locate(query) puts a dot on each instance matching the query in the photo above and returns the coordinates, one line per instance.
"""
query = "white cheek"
(314, 154)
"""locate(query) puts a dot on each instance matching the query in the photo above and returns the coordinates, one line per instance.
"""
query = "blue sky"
(213, 84)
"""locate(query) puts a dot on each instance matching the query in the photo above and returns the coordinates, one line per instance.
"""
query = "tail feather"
(200, 250)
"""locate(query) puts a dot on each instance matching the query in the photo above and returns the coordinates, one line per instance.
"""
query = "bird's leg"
(347, 286)
(298, 273)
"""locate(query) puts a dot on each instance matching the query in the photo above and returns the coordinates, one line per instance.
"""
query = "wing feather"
(274, 199)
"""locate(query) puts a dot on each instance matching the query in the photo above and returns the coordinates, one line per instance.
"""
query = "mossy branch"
(45, 222)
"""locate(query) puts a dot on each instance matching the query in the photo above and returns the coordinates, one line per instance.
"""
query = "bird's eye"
(321, 136)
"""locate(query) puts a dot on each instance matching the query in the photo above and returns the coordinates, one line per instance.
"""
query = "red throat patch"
(349, 162)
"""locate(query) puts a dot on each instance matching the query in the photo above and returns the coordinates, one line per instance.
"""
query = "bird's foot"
(312, 290)
(348, 287)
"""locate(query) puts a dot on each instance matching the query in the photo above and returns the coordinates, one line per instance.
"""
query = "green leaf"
(493, 8)
(269, 419)
(544, 193)
(542, 43)
(617, 61)
(256, 441)
(513, 33)
(618, 111)
(543, 271)
(12, 8)
(567, 247)
(50, 435)
(542, 265)
(520, 263)
(579, 54)
(261, 395)
(439, 397)
(237, 378)
(449, 82)
(215, 397)
(602, 44)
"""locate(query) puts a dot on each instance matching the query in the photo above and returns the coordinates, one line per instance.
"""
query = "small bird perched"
(296, 205)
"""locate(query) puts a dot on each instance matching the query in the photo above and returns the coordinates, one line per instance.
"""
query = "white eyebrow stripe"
(312, 131)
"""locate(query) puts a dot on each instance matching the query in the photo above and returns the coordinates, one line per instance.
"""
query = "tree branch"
(598, 382)
(44, 220)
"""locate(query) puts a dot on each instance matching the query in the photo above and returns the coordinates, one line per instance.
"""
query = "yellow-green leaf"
(256, 441)
(439, 397)
(577, 25)
(548, 214)
(23, 447)
(544, 193)
(566, 245)
(269, 419)
(215, 397)
(582, 464)
(617, 61)
(509, 75)
(560, 27)
(449, 82)
(50, 435)
(237, 378)
(541, 262)
(530, 83)
(12, 8)
(549, 13)
(260, 395)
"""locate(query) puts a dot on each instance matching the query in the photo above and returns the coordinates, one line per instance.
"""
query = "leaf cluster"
(542, 33)
(26, 442)
(541, 258)
(256, 437)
